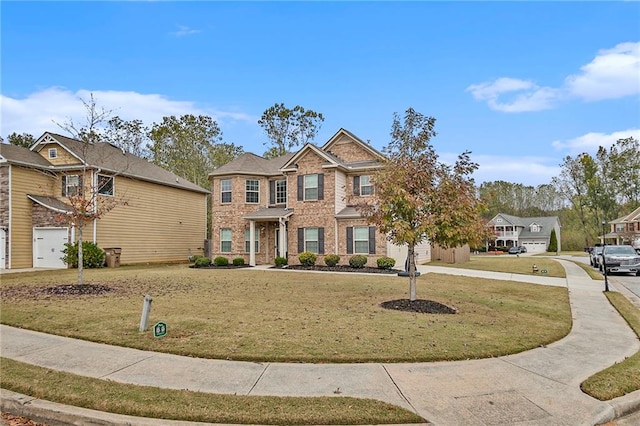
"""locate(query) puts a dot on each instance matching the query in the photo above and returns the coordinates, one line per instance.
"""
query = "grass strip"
(146, 401)
(624, 377)
(509, 264)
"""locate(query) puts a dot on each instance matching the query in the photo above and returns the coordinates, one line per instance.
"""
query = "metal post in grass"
(604, 258)
(146, 310)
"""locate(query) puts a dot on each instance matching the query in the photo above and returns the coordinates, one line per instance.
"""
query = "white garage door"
(48, 244)
(3, 249)
(535, 246)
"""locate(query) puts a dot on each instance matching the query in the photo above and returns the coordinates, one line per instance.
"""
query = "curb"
(620, 407)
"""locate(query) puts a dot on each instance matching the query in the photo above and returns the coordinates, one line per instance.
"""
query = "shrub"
(281, 261)
(331, 259)
(221, 261)
(92, 255)
(358, 261)
(238, 261)
(307, 258)
(195, 257)
(202, 262)
(386, 262)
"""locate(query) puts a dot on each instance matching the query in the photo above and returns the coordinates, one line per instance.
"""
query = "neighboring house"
(625, 230)
(304, 201)
(533, 233)
(158, 216)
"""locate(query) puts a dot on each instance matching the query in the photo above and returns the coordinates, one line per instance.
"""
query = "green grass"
(624, 377)
(510, 264)
(291, 316)
(187, 405)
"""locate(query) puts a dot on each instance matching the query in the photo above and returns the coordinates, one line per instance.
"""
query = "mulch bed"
(420, 306)
(342, 268)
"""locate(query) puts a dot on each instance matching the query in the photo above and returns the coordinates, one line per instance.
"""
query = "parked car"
(622, 259)
(594, 256)
(517, 250)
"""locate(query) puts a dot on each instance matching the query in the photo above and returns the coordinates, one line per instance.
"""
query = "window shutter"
(356, 185)
(320, 240)
(64, 186)
(300, 240)
(300, 187)
(321, 186)
(349, 239)
(372, 240)
(272, 192)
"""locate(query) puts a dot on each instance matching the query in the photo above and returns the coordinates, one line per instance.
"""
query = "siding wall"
(63, 158)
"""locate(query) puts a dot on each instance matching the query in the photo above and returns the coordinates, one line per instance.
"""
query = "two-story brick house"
(625, 230)
(304, 201)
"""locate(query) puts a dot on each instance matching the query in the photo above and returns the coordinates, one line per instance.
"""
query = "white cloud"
(40, 111)
(184, 31)
(590, 142)
(613, 73)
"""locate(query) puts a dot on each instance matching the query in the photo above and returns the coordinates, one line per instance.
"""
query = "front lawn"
(510, 264)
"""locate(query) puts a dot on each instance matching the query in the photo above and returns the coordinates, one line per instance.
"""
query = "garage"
(48, 244)
(535, 246)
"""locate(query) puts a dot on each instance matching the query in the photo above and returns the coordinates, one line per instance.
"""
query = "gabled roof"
(634, 216)
(104, 157)
(343, 132)
(252, 164)
(331, 160)
(22, 156)
(546, 224)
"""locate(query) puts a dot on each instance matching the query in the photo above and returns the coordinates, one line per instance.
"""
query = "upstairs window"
(225, 191)
(71, 185)
(311, 187)
(278, 191)
(105, 185)
(362, 185)
(252, 194)
(53, 153)
(535, 227)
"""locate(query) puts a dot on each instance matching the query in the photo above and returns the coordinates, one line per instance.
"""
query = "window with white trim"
(361, 239)
(281, 191)
(225, 240)
(247, 241)
(311, 187)
(53, 153)
(225, 191)
(71, 185)
(535, 227)
(252, 191)
(366, 187)
(311, 240)
(105, 185)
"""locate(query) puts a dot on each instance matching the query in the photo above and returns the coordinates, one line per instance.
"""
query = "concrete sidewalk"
(537, 387)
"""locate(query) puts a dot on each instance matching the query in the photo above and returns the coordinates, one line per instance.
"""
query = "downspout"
(95, 205)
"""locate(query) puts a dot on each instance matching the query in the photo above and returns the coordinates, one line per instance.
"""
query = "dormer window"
(53, 153)
(535, 227)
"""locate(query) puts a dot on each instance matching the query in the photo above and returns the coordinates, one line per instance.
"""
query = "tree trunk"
(80, 256)
(412, 272)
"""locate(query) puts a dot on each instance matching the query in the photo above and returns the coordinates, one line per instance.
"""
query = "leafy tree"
(25, 140)
(287, 128)
(553, 242)
(191, 147)
(624, 157)
(418, 198)
(131, 136)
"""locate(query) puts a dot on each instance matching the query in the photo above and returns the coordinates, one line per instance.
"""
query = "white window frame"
(281, 191)
(535, 227)
(247, 241)
(363, 241)
(308, 182)
(366, 189)
(100, 186)
(225, 188)
(308, 239)
(252, 191)
(72, 190)
(225, 232)
(53, 153)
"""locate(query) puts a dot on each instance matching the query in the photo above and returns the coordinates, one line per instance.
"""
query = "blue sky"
(520, 84)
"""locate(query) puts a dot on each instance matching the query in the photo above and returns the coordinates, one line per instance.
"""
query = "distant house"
(533, 233)
(303, 201)
(160, 217)
(625, 230)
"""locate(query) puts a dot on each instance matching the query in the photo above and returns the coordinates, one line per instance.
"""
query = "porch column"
(252, 243)
(282, 250)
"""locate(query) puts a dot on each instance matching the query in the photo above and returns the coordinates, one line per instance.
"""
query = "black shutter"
(321, 186)
(300, 187)
(272, 192)
(356, 185)
(349, 239)
(64, 186)
(372, 240)
(300, 240)
(320, 240)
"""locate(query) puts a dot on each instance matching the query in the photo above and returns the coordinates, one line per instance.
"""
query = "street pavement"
(536, 387)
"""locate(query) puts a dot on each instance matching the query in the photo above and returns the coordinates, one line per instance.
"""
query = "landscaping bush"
(281, 261)
(92, 255)
(307, 258)
(386, 262)
(202, 262)
(238, 261)
(195, 257)
(358, 261)
(221, 261)
(331, 259)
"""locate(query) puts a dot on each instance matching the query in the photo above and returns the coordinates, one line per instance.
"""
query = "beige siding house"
(154, 215)
(304, 201)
